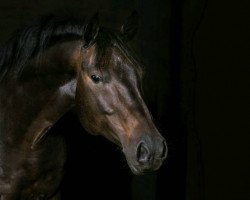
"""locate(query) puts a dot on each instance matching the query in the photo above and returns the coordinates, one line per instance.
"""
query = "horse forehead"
(118, 54)
(124, 59)
(90, 54)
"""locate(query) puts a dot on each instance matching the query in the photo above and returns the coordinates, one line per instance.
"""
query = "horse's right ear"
(91, 30)
(130, 27)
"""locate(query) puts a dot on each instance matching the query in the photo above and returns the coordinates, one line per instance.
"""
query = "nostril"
(143, 154)
(164, 150)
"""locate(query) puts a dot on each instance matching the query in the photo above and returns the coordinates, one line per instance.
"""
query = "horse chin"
(137, 171)
(141, 170)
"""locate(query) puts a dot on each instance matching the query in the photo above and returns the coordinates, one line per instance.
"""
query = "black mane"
(33, 39)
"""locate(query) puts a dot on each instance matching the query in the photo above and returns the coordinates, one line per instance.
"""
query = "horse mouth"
(146, 168)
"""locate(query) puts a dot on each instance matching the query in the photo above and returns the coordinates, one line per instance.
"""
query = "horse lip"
(138, 169)
(141, 171)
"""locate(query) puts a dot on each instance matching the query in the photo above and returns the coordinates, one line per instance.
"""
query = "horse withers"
(47, 69)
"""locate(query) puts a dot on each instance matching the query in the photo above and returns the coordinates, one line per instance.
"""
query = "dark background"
(196, 56)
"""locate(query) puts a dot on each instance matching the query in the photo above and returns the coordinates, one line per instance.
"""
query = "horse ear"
(91, 30)
(130, 27)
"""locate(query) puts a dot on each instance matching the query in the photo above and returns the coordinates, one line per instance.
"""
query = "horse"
(59, 64)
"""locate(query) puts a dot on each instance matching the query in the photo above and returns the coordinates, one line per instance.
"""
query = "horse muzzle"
(147, 156)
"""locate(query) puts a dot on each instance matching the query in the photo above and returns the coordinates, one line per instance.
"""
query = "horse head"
(109, 97)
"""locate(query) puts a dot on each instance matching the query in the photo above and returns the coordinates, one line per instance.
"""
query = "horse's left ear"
(91, 30)
(130, 27)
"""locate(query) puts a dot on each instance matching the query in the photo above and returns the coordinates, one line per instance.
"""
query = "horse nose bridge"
(131, 101)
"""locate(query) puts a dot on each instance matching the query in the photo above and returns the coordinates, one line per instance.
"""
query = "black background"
(196, 86)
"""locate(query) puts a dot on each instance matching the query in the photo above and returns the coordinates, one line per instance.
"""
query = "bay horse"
(51, 67)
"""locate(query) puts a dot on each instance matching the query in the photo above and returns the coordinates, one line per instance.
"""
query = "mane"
(31, 40)
(106, 39)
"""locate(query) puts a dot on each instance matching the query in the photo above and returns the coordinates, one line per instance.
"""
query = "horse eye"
(96, 78)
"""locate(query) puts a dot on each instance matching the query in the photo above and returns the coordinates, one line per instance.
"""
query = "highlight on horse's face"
(109, 102)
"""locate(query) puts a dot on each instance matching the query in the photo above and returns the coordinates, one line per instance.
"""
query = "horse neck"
(37, 101)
